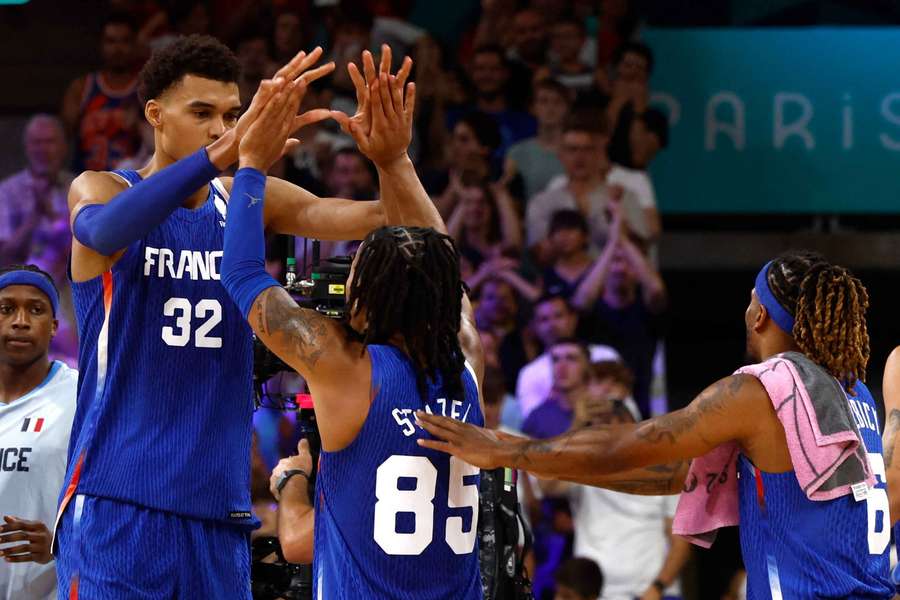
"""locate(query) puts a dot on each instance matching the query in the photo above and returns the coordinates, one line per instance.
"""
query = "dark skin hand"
(35, 538)
(651, 457)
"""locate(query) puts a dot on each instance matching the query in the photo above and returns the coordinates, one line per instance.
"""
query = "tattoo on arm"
(668, 428)
(890, 434)
(658, 480)
(299, 332)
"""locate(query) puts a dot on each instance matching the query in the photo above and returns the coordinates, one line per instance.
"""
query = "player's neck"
(160, 161)
(18, 380)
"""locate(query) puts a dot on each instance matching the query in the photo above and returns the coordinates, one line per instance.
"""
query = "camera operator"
(296, 516)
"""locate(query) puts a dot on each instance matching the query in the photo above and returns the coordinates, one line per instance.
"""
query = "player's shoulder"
(95, 187)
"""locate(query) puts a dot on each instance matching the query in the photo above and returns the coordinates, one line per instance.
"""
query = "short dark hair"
(589, 121)
(493, 387)
(656, 123)
(582, 575)
(492, 49)
(571, 341)
(567, 218)
(636, 48)
(553, 85)
(554, 298)
(121, 18)
(572, 20)
(484, 127)
(200, 55)
(351, 151)
(32, 269)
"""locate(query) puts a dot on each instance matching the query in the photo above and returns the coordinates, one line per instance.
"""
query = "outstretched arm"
(721, 413)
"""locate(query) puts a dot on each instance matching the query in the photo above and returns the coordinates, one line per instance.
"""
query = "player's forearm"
(657, 480)
(404, 199)
(296, 524)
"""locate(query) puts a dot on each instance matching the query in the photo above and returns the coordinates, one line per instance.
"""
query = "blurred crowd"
(533, 136)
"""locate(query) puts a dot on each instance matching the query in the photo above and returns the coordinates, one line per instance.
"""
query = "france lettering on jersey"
(794, 547)
(34, 435)
(393, 519)
(165, 399)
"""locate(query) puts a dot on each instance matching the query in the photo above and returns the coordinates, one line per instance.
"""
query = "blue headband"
(779, 314)
(33, 279)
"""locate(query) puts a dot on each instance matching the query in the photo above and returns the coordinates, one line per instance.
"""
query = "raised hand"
(477, 446)
(295, 71)
(382, 125)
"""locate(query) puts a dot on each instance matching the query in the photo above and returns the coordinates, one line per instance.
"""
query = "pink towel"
(824, 444)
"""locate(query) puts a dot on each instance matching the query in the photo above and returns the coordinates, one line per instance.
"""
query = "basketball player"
(157, 485)
(393, 520)
(37, 403)
(792, 546)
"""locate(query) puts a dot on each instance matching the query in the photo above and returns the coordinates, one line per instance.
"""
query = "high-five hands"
(274, 118)
(382, 125)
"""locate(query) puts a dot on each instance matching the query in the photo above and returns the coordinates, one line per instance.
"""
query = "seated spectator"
(628, 535)
(536, 159)
(567, 37)
(351, 176)
(567, 243)
(528, 51)
(498, 312)
(553, 416)
(585, 188)
(648, 135)
(288, 36)
(622, 299)
(490, 75)
(610, 395)
(475, 138)
(578, 579)
(484, 222)
(554, 320)
(252, 51)
(101, 109)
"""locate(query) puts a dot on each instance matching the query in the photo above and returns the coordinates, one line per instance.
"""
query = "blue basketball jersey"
(794, 547)
(393, 519)
(164, 394)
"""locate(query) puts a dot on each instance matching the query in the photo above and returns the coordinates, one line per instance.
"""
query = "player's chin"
(19, 352)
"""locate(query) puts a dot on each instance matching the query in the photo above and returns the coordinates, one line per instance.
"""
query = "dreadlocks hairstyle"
(407, 282)
(829, 306)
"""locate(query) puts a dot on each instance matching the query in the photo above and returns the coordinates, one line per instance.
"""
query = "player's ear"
(153, 113)
(761, 316)
(54, 327)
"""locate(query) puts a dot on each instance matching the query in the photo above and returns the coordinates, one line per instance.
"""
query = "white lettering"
(211, 258)
(784, 131)
(166, 261)
(193, 264)
(201, 267)
(401, 417)
(735, 129)
(186, 263)
(454, 413)
(891, 117)
(149, 253)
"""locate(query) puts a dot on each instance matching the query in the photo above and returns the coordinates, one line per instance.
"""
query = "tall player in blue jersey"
(793, 547)
(891, 390)
(393, 520)
(156, 501)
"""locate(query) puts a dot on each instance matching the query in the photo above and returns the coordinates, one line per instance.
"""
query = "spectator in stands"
(484, 222)
(585, 188)
(474, 140)
(630, 85)
(554, 320)
(252, 51)
(610, 395)
(567, 37)
(33, 208)
(648, 135)
(490, 74)
(623, 298)
(536, 159)
(498, 313)
(527, 52)
(288, 36)
(569, 359)
(352, 34)
(578, 579)
(178, 19)
(350, 175)
(568, 246)
(628, 535)
(101, 109)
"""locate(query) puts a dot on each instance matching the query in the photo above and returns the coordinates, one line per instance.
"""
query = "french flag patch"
(34, 425)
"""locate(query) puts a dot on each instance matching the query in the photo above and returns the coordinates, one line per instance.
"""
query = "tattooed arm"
(891, 387)
(726, 411)
(656, 480)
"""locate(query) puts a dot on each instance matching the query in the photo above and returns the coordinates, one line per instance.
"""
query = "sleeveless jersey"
(165, 399)
(34, 435)
(393, 519)
(109, 125)
(794, 547)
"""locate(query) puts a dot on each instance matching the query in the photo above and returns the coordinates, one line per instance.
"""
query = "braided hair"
(407, 282)
(829, 307)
